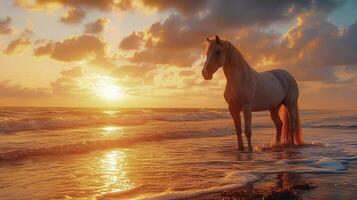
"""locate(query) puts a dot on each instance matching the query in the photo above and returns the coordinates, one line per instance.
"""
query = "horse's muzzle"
(205, 75)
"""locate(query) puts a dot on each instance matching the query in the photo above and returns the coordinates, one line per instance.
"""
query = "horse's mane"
(228, 46)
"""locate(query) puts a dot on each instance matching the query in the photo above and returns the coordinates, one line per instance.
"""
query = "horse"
(249, 91)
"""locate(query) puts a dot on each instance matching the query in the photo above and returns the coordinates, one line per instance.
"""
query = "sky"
(150, 53)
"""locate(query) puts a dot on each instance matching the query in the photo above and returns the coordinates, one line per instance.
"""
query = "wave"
(42, 120)
(46, 123)
(94, 145)
(334, 126)
(229, 182)
(37, 124)
(15, 120)
(201, 116)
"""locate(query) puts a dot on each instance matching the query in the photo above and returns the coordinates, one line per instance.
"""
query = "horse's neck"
(236, 69)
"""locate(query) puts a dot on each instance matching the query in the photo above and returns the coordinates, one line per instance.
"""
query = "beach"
(143, 153)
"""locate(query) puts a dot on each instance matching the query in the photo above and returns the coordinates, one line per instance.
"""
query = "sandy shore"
(284, 186)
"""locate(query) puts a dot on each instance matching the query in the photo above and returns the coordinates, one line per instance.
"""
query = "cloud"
(174, 40)
(187, 73)
(96, 26)
(133, 70)
(17, 46)
(133, 41)
(8, 90)
(166, 43)
(67, 84)
(183, 6)
(162, 57)
(319, 95)
(235, 13)
(107, 5)
(73, 16)
(5, 26)
(84, 47)
(313, 48)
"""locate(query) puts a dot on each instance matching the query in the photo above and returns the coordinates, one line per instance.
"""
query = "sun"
(108, 90)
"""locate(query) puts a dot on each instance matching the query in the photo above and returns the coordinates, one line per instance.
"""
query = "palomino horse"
(248, 91)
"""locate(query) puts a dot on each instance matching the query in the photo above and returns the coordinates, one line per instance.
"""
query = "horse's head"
(215, 57)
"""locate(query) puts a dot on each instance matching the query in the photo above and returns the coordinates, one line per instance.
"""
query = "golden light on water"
(110, 112)
(112, 128)
(113, 165)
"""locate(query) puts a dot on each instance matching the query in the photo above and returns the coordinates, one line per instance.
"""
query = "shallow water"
(162, 153)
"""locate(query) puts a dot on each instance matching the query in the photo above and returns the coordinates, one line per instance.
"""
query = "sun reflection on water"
(113, 166)
(110, 112)
(110, 129)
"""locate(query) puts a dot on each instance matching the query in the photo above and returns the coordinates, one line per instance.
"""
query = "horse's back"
(286, 80)
(269, 92)
(273, 87)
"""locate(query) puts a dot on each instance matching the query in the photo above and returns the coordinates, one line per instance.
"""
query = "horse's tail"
(297, 132)
(299, 139)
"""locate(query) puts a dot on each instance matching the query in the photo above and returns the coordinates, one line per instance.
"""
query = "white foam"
(331, 164)
(231, 181)
(309, 165)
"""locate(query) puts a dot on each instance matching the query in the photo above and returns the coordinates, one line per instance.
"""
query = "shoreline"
(280, 186)
(292, 185)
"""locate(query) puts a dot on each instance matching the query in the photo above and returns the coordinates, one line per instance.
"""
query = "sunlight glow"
(108, 89)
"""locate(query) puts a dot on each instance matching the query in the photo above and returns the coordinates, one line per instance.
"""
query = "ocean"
(152, 153)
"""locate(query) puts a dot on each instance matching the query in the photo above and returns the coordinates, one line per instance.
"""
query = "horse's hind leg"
(291, 106)
(274, 114)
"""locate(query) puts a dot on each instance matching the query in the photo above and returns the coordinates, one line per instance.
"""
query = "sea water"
(89, 153)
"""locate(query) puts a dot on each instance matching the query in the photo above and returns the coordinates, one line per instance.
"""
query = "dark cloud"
(17, 46)
(5, 26)
(231, 13)
(73, 16)
(96, 26)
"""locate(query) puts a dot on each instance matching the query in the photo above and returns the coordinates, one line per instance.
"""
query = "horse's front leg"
(237, 123)
(247, 111)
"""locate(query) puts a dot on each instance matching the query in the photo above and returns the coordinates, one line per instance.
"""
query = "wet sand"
(283, 186)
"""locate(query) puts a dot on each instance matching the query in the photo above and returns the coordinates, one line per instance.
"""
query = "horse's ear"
(218, 40)
(208, 40)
